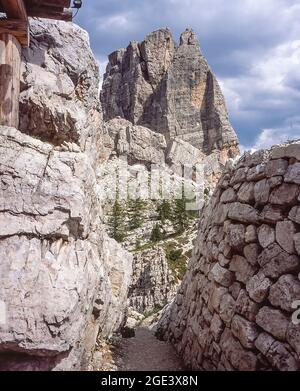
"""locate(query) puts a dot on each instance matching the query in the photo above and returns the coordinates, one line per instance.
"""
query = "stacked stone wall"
(237, 307)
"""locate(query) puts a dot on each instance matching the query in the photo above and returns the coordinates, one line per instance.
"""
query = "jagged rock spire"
(188, 37)
(170, 89)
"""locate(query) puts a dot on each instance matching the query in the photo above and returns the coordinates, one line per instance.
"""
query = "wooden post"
(14, 33)
(10, 67)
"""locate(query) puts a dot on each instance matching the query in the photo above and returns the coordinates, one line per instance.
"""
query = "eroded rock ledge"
(234, 308)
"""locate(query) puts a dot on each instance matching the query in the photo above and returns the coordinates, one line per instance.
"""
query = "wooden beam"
(10, 65)
(16, 27)
(14, 9)
(51, 13)
(47, 3)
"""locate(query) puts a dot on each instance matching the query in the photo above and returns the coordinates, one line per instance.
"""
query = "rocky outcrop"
(234, 310)
(59, 87)
(137, 143)
(169, 89)
(63, 282)
(181, 153)
(153, 284)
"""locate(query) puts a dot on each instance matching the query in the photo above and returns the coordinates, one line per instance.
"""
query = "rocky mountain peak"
(169, 89)
(188, 37)
(157, 52)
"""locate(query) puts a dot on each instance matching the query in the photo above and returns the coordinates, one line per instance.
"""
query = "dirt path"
(145, 352)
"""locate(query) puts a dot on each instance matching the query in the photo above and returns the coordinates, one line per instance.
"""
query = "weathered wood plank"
(51, 3)
(10, 65)
(35, 6)
(16, 27)
(14, 9)
(50, 13)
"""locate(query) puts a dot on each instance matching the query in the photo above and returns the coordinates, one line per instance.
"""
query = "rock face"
(59, 87)
(153, 285)
(137, 143)
(234, 310)
(62, 280)
(169, 89)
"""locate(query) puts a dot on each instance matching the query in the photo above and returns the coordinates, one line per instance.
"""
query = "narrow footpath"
(145, 352)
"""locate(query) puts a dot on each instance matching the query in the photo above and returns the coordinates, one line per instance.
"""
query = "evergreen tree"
(136, 210)
(180, 215)
(164, 211)
(206, 194)
(157, 234)
(116, 222)
(138, 244)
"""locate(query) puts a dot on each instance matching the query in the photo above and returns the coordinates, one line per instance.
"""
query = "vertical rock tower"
(170, 89)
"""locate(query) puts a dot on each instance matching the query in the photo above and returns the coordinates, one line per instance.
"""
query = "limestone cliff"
(235, 308)
(170, 89)
(163, 106)
(153, 285)
(62, 280)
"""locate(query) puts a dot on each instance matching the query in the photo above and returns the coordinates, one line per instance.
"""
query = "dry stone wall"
(234, 310)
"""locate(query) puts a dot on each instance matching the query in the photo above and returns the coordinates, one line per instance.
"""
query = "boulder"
(137, 143)
(258, 287)
(285, 292)
(273, 321)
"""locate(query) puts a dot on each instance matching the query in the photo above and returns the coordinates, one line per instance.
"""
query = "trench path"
(145, 352)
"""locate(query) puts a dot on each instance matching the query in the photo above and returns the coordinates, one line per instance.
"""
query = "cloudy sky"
(252, 46)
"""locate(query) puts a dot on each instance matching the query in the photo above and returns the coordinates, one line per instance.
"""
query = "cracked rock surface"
(63, 281)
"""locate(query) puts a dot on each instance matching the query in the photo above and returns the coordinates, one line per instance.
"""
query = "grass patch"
(154, 311)
(189, 254)
(144, 247)
(176, 260)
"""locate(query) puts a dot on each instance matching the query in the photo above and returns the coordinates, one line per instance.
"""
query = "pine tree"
(157, 234)
(206, 194)
(138, 244)
(180, 215)
(164, 211)
(136, 210)
(116, 222)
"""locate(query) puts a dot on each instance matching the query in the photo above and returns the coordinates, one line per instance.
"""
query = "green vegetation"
(176, 259)
(174, 255)
(144, 247)
(116, 223)
(206, 194)
(164, 210)
(154, 311)
(180, 216)
(135, 210)
(157, 234)
(138, 245)
(131, 215)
